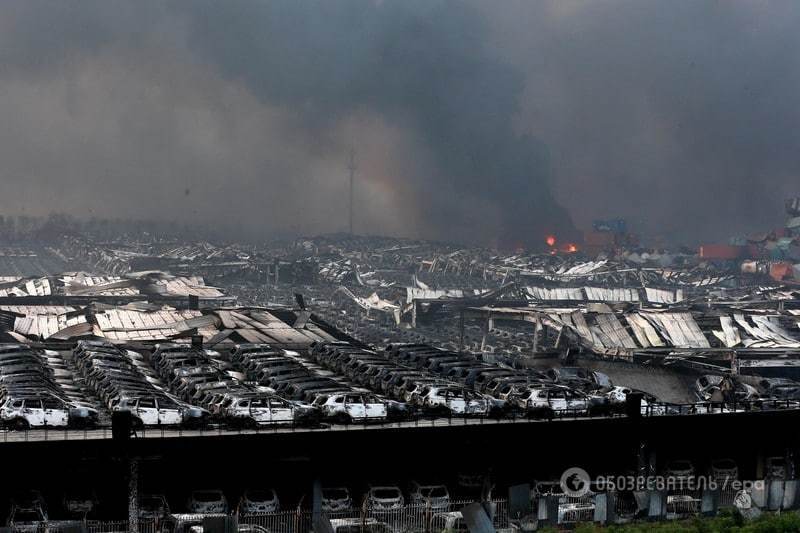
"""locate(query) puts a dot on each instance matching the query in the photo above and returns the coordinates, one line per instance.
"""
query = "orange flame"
(571, 248)
(550, 240)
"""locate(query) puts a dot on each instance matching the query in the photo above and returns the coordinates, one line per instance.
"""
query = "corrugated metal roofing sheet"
(602, 294)
(557, 293)
(664, 296)
(680, 329)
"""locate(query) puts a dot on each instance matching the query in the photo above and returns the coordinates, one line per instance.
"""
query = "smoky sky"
(484, 122)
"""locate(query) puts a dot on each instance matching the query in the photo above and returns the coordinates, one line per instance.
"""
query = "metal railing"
(406, 519)
(92, 526)
(727, 496)
(575, 510)
(280, 522)
(625, 506)
(651, 410)
(420, 518)
(142, 526)
(682, 503)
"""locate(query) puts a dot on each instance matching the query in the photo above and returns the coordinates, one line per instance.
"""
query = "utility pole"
(352, 168)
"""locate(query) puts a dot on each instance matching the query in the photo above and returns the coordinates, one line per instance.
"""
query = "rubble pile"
(621, 303)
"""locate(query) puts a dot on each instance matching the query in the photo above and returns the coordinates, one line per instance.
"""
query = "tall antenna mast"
(352, 168)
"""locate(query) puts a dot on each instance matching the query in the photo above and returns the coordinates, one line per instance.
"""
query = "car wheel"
(20, 424)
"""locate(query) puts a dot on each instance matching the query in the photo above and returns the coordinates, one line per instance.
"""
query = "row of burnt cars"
(740, 391)
(432, 381)
(180, 385)
(37, 389)
(347, 383)
(253, 385)
(246, 386)
(29, 510)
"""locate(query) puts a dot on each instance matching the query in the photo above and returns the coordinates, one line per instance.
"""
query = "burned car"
(153, 507)
(207, 502)
(352, 407)
(384, 498)
(259, 501)
(548, 401)
(452, 400)
(714, 388)
(79, 503)
(159, 410)
(259, 409)
(435, 496)
(336, 499)
(23, 412)
(28, 512)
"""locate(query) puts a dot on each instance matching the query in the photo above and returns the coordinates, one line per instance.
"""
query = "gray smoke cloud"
(473, 121)
(681, 116)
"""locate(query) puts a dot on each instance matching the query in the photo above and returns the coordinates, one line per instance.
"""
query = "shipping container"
(722, 252)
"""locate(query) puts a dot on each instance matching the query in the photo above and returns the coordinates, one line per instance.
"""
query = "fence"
(511, 417)
(552, 509)
(625, 506)
(727, 496)
(576, 509)
(144, 526)
(682, 503)
(281, 522)
(407, 519)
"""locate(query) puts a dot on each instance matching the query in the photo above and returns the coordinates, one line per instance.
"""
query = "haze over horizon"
(471, 123)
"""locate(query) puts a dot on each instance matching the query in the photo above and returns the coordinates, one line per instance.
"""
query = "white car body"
(419, 386)
(151, 411)
(618, 395)
(458, 400)
(262, 410)
(354, 406)
(555, 399)
(34, 413)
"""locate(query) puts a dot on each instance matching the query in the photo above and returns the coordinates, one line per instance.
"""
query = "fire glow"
(550, 240)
